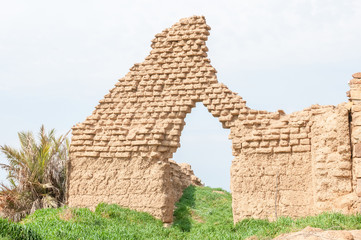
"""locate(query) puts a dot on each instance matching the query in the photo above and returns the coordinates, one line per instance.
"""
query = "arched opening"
(206, 147)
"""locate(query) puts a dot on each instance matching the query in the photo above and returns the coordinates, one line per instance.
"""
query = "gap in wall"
(206, 147)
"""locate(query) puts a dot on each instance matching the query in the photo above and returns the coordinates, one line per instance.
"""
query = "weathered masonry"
(293, 165)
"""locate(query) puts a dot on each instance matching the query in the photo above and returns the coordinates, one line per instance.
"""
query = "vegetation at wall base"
(36, 173)
(201, 213)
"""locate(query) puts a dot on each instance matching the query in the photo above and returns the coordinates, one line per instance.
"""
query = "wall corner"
(355, 130)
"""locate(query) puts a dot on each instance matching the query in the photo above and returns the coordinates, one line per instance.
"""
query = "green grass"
(201, 213)
(10, 230)
(107, 222)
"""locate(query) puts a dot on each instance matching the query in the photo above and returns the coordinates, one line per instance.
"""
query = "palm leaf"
(36, 172)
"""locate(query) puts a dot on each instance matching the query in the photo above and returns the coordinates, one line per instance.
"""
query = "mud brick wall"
(181, 177)
(355, 128)
(284, 165)
(120, 154)
(290, 165)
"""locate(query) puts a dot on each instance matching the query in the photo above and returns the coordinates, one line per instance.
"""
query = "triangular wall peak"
(120, 154)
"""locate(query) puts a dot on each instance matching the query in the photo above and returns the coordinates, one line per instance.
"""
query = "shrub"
(36, 174)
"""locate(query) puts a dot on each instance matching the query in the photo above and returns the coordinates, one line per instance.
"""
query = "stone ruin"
(294, 165)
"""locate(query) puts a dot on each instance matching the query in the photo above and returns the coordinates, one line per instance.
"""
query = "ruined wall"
(120, 153)
(181, 177)
(355, 128)
(290, 165)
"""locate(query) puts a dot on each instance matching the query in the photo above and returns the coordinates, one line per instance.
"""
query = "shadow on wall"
(206, 147)
(183, 212)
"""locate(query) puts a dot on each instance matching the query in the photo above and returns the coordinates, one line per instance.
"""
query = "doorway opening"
(206, 147)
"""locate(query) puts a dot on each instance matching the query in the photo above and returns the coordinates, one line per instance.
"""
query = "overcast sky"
(59, 58)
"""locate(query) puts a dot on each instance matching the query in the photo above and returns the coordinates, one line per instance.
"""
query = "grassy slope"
(202, 213)
(215, 210)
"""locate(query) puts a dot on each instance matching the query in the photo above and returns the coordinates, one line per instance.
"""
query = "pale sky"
(59, 58)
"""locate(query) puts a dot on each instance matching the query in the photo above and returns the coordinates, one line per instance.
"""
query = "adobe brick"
(303, 148)
(282, 149)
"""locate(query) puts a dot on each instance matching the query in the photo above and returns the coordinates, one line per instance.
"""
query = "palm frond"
(36, 172)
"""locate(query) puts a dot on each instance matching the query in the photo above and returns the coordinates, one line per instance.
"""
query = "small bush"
(36, 174)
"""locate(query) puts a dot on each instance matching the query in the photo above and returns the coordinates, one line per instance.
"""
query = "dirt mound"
(318, 234)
